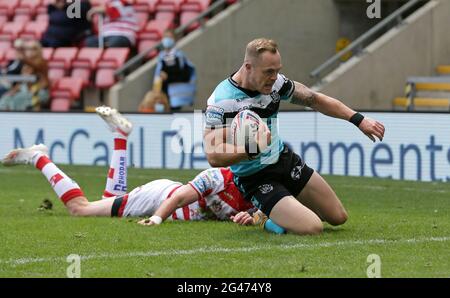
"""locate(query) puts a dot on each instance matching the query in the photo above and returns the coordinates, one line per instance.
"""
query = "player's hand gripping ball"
(249, 130)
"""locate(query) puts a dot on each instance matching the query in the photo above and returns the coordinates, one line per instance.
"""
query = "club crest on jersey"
(296, 172)
(275, 96)
(265, 188)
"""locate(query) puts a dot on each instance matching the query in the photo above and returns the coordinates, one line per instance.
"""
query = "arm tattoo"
(304, 96)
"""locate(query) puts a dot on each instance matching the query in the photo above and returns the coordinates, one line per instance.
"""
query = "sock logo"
(55, 179)
(119, 187)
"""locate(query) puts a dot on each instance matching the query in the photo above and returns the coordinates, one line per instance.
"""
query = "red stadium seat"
(10, 54)
(2, 58)
(21, 18)
(61, 62)
(11, 31)
(67, 87)
(196, 5)
(8, 7)
(165, 15)
(147, 44)
(5, 45)
(42, 9)
(147, 6)
(186, 17)
(112, 59)
(47, 53)
(169, 5)
(28, 7)
(3, 20)
(60, 105)
(142, 18)
(34, 30)
(43, 18)
(86, 63)
(63, 57)
(155, 29)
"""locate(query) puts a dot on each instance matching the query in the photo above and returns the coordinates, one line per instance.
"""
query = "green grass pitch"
(406, 223)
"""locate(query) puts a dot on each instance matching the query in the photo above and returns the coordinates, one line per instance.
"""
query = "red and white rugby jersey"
(121, 20)
(218, 194)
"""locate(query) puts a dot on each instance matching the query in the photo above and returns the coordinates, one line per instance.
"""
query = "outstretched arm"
(183, 196)
(334, 108)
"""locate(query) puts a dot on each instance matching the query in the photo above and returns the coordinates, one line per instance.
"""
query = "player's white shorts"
(145, 200)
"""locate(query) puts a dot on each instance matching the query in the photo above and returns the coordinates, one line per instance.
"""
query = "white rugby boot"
(116, 121)
(23, 156)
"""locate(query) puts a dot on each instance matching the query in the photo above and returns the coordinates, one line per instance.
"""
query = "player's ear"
(248, 66)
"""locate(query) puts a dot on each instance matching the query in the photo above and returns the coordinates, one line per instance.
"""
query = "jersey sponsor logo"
(265, 188)
(275, 96)
(214, 114)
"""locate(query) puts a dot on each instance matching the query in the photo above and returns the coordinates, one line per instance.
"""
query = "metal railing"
(137, 60)
(357, 45)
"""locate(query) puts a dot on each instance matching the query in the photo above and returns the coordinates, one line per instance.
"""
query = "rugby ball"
(244, 129)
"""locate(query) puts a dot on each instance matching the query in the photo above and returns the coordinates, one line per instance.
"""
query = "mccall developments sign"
(416, 145)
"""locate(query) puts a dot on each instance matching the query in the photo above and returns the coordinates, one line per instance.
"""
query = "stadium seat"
(8, 7)
(27, 7)
(61, 62)
(405, 102)
(155, 29)
(11, 31)
(142, 18)
(60, 104)
(22, 18)
(5, 44)
(34, 30)
(443, 69)
(86, 63)
(146, 44)
(187, 16)
(67, 87)
(165, 15)
(42, 8)
(147, 6)
(3, 20)
(42, 18)
(112, 59)
(47, 53)
(8, 55)
(169, 5)
(433, 87)
(195, 5)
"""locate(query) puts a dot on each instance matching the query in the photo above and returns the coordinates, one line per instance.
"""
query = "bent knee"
(339, 218)
(313, 228)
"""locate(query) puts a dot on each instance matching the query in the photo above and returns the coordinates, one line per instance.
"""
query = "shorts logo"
(297, 172)
(265, 188)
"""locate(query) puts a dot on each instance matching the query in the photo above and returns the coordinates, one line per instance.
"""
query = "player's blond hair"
(257, 47)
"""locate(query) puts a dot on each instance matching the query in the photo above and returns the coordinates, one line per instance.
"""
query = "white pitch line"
(143, 177)
(213, 249)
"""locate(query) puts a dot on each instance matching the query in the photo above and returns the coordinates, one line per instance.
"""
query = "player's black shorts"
(285, 178)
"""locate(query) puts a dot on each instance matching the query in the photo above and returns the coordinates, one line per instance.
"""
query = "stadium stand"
(426, 93)
(28, 19)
